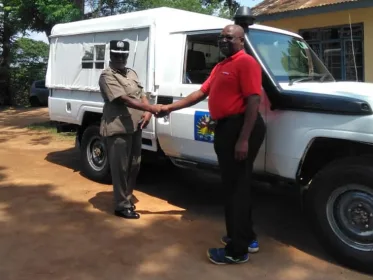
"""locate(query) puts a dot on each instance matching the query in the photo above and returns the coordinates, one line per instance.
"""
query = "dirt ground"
(56, 224)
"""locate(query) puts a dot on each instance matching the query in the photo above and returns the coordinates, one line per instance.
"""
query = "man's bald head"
(235, 29)
(231, 39)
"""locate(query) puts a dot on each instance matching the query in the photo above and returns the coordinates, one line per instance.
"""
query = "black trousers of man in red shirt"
(237, 181)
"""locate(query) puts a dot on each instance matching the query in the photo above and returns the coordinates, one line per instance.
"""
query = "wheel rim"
(96, 153)
(350, 215)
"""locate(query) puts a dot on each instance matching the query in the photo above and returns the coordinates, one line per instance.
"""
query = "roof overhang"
(316, 10)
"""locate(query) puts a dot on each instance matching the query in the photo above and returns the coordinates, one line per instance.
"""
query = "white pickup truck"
(319, 131)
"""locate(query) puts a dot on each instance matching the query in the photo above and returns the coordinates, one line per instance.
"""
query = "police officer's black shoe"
(128, 213)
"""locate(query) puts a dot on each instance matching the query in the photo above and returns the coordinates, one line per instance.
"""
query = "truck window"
(94, 57)
(201, 56)
(40, 84)
(288, 58)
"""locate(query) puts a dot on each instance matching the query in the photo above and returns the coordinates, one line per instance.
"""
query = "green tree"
(29, 60)
(99, 8)
(188, 5)
(227, 7)
(37, 15)
(11, 25)
(42, 15)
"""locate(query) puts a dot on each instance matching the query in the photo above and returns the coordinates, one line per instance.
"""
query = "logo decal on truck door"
(203, 127)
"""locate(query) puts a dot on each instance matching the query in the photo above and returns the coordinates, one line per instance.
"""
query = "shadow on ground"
(57, 238)
(39, 137)
(21, 117)
(69, 158)
(33, 122)
(277, 215)
(72, 243)
(2, 174)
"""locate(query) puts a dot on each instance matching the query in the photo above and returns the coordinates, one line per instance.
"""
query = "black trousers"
(124, 153)
(236, 178)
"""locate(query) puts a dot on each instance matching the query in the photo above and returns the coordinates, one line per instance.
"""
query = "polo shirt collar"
(241, 52)
(237, 54)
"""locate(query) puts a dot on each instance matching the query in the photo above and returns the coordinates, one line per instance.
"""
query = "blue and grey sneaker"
(253, 247)
(219, 256)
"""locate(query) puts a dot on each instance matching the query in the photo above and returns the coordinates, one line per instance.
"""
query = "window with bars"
(94, 57)
(340, 48)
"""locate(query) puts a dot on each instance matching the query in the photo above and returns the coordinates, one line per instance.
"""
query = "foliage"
(13, 20)
(29, 61)
(227, 7)
(42, 15)
(188, 5)
(99, 8)
(10, 25)
(51, 128)
(20, 15)
(28, 52)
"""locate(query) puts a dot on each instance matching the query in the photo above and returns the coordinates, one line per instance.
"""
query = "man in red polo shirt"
(233, 88)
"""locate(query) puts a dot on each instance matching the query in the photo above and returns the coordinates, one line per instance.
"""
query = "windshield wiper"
(301, 80)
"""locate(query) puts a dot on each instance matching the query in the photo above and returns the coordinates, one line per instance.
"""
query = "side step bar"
(184, 163)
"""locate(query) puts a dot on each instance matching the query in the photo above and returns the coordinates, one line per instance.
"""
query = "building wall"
(294, 24)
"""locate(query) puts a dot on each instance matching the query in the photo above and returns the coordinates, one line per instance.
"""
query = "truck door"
(191, 136)
(145, 48)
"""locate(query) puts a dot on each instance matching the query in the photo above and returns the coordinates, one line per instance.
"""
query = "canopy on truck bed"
(79, 50)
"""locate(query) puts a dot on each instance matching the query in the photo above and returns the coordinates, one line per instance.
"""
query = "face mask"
(119, 61)
(226, 48)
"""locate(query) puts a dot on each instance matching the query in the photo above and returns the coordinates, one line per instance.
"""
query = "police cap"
(119, 47)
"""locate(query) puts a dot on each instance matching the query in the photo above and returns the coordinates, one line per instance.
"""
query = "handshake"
(160, 111)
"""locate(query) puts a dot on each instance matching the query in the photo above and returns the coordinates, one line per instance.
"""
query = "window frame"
(343, 40)
(95, 60)
(185, 58)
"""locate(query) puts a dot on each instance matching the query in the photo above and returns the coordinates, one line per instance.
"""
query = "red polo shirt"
(230, 82)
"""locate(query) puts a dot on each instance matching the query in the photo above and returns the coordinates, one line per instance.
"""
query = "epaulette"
(111, 70)
(130, 69)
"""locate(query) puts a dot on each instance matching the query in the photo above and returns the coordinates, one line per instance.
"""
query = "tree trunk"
(48, 31)
(80, 5)
(230, 7)
(5, 90)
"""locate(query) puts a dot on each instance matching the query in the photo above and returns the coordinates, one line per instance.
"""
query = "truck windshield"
(289, 59)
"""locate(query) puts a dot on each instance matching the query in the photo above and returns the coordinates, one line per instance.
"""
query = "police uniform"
(120, 127)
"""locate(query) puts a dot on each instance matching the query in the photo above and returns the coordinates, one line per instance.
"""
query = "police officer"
(126, 112)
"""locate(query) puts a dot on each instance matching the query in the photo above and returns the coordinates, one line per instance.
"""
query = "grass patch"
(50, 127)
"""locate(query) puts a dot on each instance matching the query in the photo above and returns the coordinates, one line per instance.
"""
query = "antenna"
(353, 48)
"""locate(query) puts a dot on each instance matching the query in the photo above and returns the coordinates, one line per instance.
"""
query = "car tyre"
(340, 207)
(94, 156)
(34, 101)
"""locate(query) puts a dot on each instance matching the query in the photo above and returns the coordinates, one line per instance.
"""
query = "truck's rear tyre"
(340, 207)
(95, 163)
